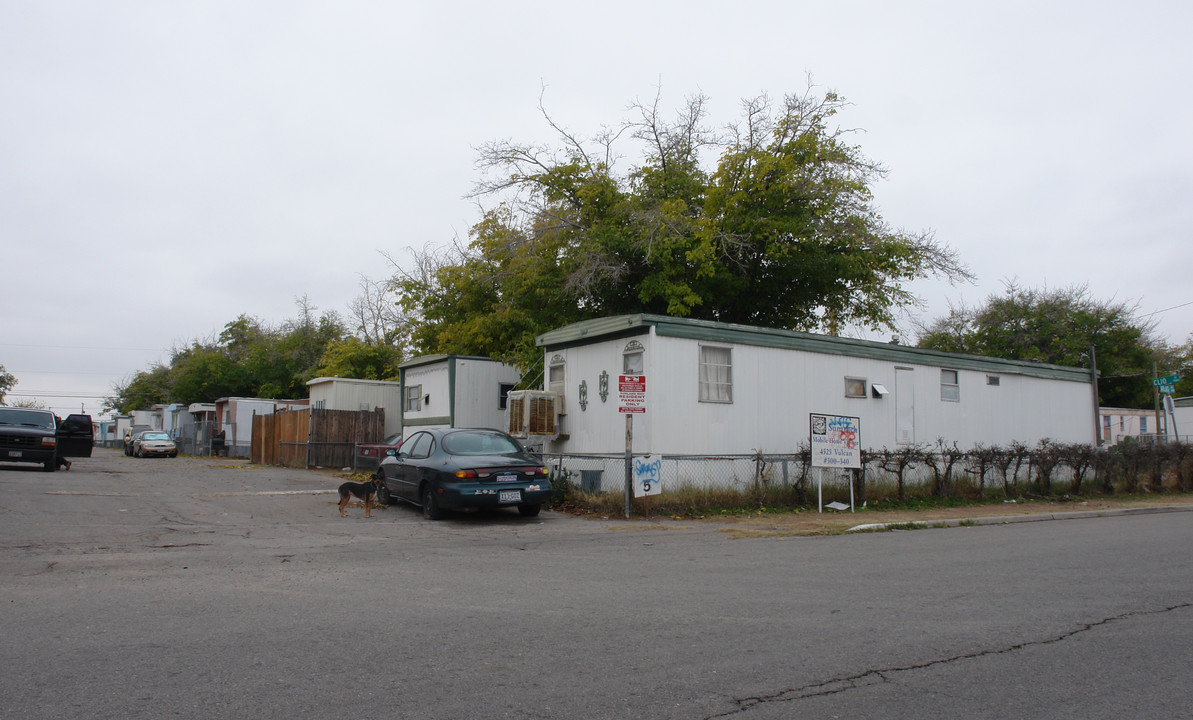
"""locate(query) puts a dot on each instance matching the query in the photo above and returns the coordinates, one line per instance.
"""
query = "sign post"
(1165, 389)
(631, 393)
(836, 442)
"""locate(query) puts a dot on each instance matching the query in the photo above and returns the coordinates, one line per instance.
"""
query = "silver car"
(154, 442)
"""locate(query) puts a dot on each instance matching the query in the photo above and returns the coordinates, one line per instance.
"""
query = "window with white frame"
(414, 398)
(993, 380)
(950, 388)
(855, 387)
(716, 374)
(1143, 425)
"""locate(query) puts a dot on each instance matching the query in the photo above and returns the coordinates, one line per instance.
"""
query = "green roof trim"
(431, 359)
(610, 328)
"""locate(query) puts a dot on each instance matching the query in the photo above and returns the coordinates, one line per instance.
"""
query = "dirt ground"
(832, 522)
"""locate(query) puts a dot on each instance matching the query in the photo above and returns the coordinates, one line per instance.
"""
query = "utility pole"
(1093, 373)
(1156, 392)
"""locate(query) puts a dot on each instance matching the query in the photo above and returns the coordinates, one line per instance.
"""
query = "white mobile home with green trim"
(735, 389)
(455, 391)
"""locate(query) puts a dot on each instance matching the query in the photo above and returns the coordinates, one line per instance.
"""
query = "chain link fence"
(210, 439)
(1048, 469)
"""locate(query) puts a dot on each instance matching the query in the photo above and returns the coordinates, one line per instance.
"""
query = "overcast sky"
(168, 166)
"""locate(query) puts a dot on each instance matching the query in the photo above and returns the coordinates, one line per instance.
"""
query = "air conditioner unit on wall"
(533, 412)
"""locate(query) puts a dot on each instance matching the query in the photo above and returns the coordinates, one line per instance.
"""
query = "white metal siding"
(354, 394)
(478, 392)
(775, 389)
(434, 382)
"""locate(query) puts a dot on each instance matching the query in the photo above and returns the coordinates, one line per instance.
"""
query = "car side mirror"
(391, 452)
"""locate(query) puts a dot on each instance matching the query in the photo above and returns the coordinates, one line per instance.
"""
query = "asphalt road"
(209, 589)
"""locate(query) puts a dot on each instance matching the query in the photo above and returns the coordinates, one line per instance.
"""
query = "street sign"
(1168, 389)
(631, 393)
(1169, 380)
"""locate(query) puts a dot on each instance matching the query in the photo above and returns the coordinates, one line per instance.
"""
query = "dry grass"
(779, 524)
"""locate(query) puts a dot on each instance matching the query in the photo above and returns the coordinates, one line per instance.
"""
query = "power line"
(64, 372)
(1174, 307)
(78, 347)
(54, 394)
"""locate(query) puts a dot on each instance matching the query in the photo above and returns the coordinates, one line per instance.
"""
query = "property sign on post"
(631, 393)
(836, 441)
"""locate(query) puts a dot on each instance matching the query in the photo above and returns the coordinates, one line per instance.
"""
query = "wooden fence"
(314, 437)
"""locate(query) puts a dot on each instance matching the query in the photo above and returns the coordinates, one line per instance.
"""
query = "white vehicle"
(154, 443)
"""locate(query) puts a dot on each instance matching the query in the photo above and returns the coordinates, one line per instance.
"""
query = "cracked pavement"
(894, 674)
(195, 588)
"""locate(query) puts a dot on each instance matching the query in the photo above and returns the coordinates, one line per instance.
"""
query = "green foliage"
(352, 357)
(250, 359)
(7, 381)
(146, 388)
(1179, 359)
(1058, 327)
(781, 232)
(204, 372)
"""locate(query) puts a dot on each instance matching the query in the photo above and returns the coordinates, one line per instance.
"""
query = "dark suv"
(37, 436)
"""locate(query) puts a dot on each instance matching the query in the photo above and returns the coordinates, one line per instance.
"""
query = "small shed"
(336, 393)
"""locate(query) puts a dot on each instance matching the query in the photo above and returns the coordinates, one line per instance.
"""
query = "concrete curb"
(1007, 519)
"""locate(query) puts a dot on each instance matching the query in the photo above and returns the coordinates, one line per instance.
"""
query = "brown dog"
(365, 491)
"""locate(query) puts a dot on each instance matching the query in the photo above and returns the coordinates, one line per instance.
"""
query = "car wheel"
(529, 510)
(138, 453)
(174, 454)
(383, 496)
(431, 509)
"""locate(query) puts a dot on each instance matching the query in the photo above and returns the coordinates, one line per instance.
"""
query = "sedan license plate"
(506, 478)
(15, 453)
(509, 496)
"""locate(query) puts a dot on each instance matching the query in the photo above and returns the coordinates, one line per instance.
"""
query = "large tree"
(780, 231)
(249, 358)
(1058, 326)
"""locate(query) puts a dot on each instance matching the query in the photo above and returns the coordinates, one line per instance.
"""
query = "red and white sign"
(631, 393)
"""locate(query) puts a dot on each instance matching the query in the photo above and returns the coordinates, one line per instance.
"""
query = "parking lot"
(150, 588)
